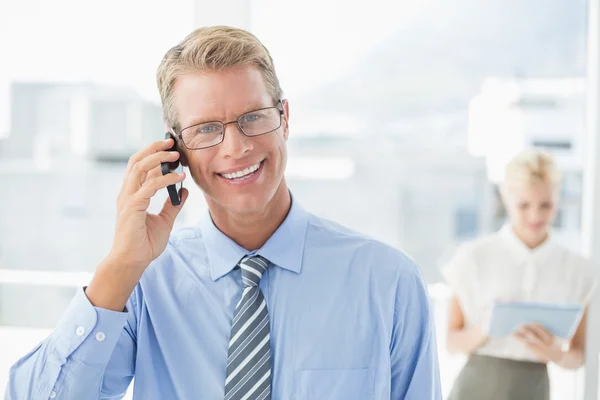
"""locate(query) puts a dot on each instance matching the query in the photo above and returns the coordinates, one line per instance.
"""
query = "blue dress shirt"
(350, 319)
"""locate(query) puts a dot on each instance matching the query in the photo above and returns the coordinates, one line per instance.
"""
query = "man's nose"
(235, 143)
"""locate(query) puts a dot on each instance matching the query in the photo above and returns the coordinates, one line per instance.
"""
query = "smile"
(242, 174)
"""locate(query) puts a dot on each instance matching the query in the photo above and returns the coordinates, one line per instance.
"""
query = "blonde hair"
(209, 49)
(531, 167)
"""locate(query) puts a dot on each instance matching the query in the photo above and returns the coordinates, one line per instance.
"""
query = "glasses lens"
(261, 121)
(202, 135)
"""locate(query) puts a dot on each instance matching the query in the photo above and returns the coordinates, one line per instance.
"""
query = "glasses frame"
(237, 122)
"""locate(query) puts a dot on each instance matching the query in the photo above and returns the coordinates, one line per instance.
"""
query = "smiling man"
(262, 299)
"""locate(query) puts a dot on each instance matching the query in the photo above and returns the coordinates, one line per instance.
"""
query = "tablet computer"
(560, 319)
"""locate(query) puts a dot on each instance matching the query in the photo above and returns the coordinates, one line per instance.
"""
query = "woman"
(520, 262)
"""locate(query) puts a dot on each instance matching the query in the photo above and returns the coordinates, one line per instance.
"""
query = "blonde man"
(521, 262)
(261, 300)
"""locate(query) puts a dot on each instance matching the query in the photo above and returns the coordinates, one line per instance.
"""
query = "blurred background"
(403, 114)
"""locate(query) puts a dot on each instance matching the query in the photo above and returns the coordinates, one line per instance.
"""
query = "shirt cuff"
(86, 333)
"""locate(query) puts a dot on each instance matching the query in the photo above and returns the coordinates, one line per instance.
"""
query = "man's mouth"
(243, 173)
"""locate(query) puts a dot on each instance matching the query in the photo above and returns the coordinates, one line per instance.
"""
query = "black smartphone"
(168, 167)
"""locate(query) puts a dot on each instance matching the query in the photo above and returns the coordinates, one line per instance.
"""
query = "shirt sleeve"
(72, 362)
(415, 371)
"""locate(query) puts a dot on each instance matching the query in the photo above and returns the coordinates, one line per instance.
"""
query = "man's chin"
(246, 205)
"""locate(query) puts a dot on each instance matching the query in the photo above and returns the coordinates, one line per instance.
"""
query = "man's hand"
(140, 237)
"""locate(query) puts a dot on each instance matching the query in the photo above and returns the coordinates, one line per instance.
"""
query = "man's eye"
(207, 129)
(251, 117)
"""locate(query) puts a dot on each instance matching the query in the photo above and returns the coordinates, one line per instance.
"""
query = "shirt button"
(80, 331)
(52, 394)
(100, 336)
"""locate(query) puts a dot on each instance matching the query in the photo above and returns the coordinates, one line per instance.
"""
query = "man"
(261, 300)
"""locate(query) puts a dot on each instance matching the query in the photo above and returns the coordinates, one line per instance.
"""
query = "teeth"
(242, 173)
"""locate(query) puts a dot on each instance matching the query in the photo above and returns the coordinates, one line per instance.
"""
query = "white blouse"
(501, 267)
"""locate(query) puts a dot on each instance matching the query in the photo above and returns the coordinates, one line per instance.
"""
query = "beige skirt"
(491, 378)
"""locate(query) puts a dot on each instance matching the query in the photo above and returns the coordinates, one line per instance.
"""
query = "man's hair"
(531, 167)
(210, 49)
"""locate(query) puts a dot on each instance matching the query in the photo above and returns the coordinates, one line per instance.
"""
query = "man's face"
(224, 96)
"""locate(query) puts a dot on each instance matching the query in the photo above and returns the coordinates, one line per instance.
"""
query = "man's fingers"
(155, 147)
(139, 171)
(152, 148)
(154, 172)
(169, 212)
(153, 185)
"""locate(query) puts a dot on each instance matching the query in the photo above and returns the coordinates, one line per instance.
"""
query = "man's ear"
(183, 156)
(286, 118)
(180, 148)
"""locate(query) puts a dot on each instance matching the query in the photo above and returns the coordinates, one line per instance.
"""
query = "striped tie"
(249, 359)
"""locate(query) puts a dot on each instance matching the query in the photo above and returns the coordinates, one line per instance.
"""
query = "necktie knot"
(253, 268)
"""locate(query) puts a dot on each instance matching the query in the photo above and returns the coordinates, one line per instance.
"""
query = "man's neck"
(251, 231)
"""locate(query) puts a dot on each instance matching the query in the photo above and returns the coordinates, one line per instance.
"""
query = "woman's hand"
(541, 342)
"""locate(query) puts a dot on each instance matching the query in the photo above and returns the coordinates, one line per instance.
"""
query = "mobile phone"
(168, 167)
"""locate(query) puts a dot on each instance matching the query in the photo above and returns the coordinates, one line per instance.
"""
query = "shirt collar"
(284, 248)
(519, 250)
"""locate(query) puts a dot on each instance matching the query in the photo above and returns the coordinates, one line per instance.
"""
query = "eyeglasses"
(253, 123)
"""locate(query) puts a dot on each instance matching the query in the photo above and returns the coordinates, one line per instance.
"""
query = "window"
(466, 222)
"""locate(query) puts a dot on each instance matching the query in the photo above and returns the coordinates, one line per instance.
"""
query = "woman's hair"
(209, 49)
(531, 167)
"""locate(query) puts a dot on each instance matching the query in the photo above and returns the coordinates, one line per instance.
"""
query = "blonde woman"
(520, 262)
